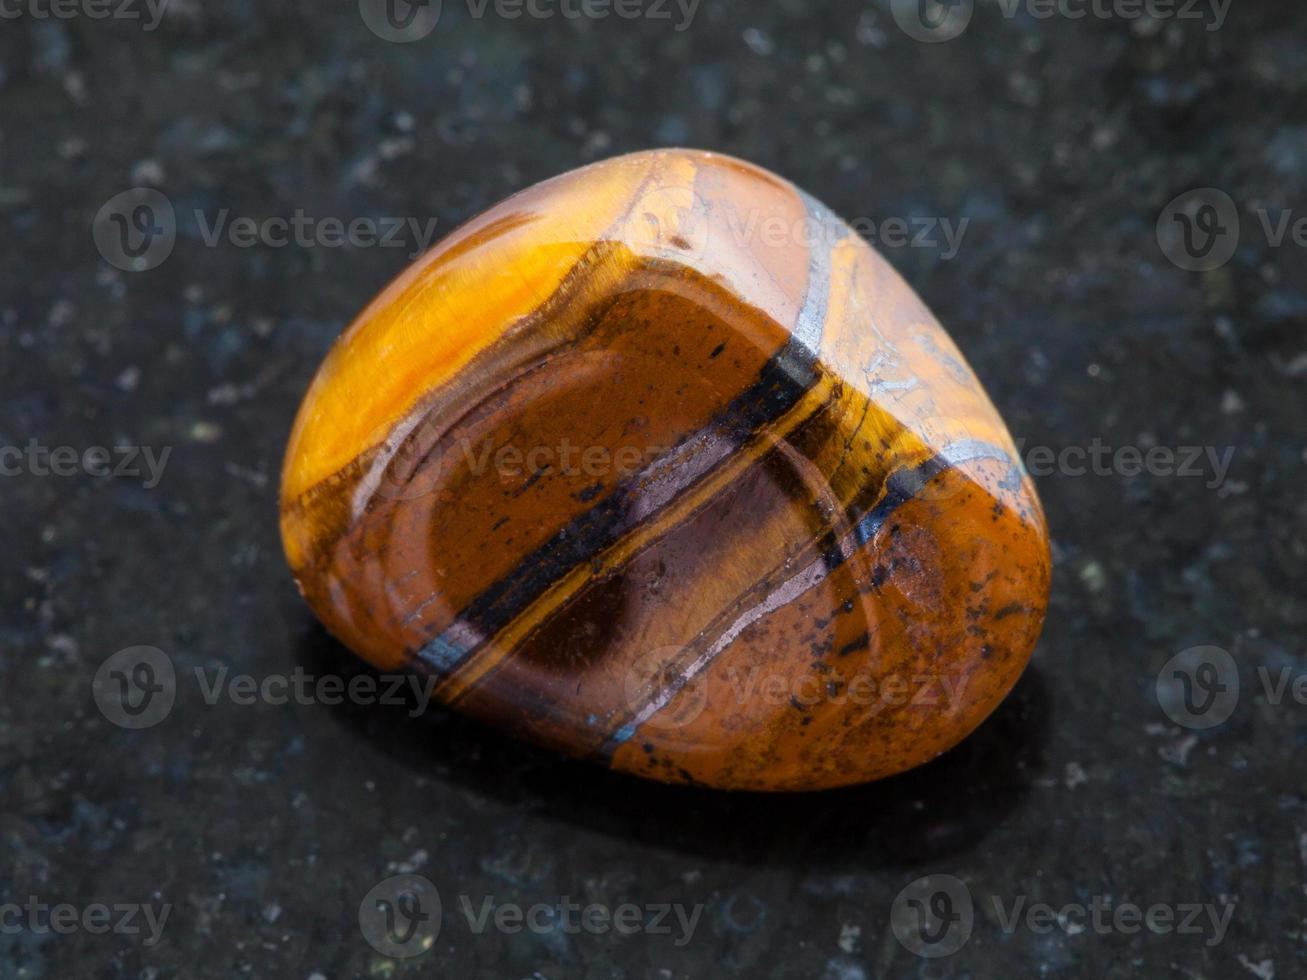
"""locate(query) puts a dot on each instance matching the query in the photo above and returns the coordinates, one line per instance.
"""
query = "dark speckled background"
(263, 826)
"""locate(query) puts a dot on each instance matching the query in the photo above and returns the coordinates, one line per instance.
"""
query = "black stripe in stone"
(900, 487)
(786, 377)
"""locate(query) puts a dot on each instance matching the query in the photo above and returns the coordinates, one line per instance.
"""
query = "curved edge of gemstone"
(806, 555)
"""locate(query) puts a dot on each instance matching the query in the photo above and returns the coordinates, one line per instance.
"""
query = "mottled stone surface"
(265, 825)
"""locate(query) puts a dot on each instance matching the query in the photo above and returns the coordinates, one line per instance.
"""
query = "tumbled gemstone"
(658, 463)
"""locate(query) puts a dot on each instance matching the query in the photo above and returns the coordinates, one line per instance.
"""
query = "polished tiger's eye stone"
(660, 464)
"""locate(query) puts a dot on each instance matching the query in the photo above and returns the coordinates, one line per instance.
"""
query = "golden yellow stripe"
(699, 494)
(445, 310)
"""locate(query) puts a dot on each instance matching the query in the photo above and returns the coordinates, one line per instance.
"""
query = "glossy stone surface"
(660, 464)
